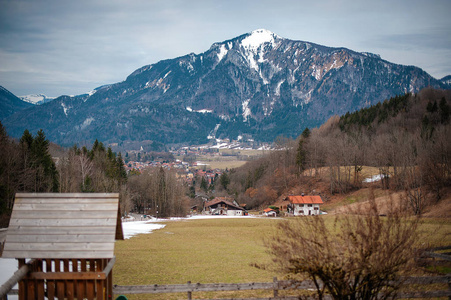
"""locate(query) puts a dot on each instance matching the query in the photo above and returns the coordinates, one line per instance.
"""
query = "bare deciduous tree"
(358, 256)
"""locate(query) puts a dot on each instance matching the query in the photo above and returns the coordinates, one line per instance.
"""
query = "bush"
(359, 256)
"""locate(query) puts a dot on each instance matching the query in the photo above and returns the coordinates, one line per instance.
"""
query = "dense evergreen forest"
(406, 138)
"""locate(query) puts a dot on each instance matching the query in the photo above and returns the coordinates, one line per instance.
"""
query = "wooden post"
(189, 293)
(40, 291)
(100, 284)
(449, 284)
(22, 285)
(110, 286)
(276, 287)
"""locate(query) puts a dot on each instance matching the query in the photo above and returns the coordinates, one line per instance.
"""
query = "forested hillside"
(27, 166)
(405, 138)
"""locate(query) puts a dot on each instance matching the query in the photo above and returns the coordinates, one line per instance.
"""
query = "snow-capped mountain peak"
(259, 37)
(36, 99)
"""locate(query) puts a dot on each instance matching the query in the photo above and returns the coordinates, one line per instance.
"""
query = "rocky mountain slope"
(9, 103)
(256, 86)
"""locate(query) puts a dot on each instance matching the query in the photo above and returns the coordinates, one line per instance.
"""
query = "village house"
(223, 206)
(304, 205)
(269, 212)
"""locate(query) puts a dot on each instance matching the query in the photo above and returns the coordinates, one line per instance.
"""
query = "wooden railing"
(276, 286)
(62, 279)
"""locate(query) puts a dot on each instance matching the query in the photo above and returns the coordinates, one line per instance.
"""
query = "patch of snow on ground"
(374, 178)
(133, 228)
(8, 267)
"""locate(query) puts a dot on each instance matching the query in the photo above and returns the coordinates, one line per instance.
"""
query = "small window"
(310, 205)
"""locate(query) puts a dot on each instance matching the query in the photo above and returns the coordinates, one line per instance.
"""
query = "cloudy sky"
(58, 47)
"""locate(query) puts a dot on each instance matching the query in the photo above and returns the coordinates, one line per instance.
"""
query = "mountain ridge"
(257, 85)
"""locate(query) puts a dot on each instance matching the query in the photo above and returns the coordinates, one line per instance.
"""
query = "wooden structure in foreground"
(70, 241)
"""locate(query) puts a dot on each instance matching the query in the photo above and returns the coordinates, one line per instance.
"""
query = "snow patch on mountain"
(86, 123)
(222, 52)
(65, 108)
(36, 99)
(257, 38)
(212, 134)
(202, 111)
(278, 87)
(254, 45)
(246, 109)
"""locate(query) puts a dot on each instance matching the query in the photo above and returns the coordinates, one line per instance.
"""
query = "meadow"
(215, 251)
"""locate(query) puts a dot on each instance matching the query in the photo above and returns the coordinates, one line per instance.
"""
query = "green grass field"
(214, 251)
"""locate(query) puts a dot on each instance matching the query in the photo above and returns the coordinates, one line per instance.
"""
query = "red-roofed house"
(269, 212)
(223, 206)
(305, 205)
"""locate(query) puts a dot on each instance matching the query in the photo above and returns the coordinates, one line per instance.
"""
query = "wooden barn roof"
(219, 200)
(55, 226)
(305, 199)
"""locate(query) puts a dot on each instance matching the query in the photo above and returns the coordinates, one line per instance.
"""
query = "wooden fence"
(276, 286)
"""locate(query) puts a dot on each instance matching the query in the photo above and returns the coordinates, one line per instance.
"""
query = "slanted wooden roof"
(305, 199)
(63, 226)
(222, 200)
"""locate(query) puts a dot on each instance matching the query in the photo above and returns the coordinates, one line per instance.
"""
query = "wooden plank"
(61, 230)
(63, 222)
(59, 238)
(81, 288)
(50, 283)
(100, 284)
(62, 207)
(69, 202)
(66, 195)
(39, 284)
(59, 284)
(197, 287)
(31, 293)
(90, 284)
(69, 284)
(109, 266)
(68, 275)
(61, 246)
(437, 255)
(109, 284)
(65, 254)
(66, 214)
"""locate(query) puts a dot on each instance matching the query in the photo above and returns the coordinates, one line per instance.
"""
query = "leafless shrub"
(355, 256)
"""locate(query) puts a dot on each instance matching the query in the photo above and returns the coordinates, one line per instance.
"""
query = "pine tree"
(203, 184)
(445, 111)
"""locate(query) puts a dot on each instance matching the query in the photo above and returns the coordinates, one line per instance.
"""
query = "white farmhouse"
(305, 205)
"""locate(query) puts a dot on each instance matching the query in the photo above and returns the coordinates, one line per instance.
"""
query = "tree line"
(28, 166)
(406, 138)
